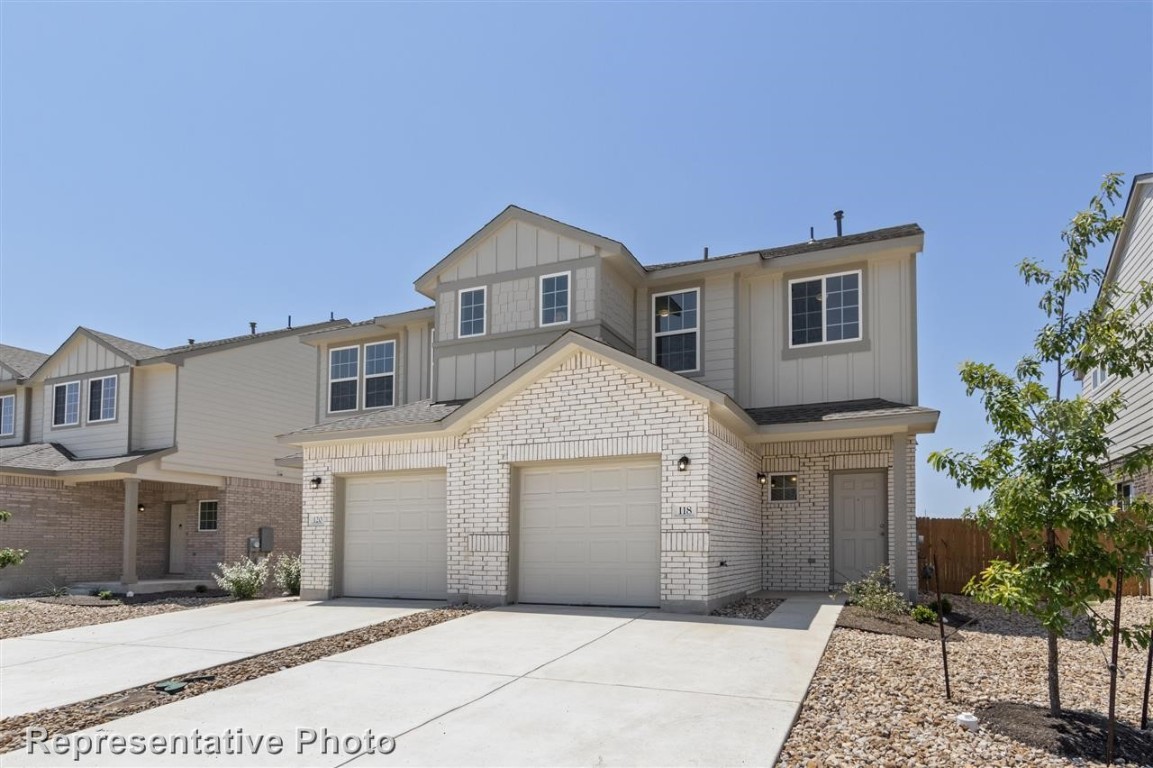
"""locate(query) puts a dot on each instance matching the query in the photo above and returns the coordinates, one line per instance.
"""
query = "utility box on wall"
(265, 538)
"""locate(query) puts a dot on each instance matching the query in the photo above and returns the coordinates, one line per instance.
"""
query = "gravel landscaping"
(102, 709)
(878, 699)
(749, 608)
(33, 615)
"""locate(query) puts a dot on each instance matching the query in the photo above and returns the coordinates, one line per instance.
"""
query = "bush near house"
(10, 556)
(875, 593)
(286, 572)
(244, 579)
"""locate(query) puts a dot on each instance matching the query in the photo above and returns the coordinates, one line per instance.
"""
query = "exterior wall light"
(316, 481)
(762, 478)
(683, 463)
(139, 507)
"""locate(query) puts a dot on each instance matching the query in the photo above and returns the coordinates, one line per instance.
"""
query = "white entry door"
(590, 533)
(860, 542)
(395, 541)
(177, 537)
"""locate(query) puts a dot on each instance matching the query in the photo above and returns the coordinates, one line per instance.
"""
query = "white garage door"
(590, 533)
(394, 536)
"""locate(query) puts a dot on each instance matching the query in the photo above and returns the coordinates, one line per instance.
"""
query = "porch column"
(131, 501)
(900, 530)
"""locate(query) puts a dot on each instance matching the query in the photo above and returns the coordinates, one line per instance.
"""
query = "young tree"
(10, 556)
(1048, 470)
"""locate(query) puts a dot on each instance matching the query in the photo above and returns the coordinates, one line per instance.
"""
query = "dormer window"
(343, 379)
(472, 302)
(825, 310)
(66, 404)
(102, 399)
(554, 299)
(7, 415)
(676, 323)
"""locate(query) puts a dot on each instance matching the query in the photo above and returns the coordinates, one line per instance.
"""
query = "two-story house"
(1130, 263)
(567, 425)
(124, 462)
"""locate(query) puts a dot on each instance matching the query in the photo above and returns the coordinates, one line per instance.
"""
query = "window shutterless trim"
(331, 381)
(696, 329)
(4, 400)
(366, 375)
(567, 275)
(824, 309)
(53, 424)
(115, 399)
(460, 334)
(200, 516)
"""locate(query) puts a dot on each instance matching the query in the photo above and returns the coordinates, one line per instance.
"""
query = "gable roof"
(425, 283)
(133, 350)
(55, 459)
(844, 409)
(21, 362)
(175, 354)
(809, 246)
(1122, 239)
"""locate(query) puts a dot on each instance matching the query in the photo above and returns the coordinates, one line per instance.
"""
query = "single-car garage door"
(590, 533)
(394, 536)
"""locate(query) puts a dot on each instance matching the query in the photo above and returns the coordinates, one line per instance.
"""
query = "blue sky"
(175, 170)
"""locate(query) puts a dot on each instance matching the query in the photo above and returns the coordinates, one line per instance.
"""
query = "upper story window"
(379, 372)
(1099, 376)
(676, 330)
(554, 299)
(472, 302)
(343, 379)
(825, 309)
(7, 415)
(102, 399)
(66, 404)
(1124, 492)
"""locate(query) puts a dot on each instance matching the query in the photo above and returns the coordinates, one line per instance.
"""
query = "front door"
(177, 543)
(860, 525)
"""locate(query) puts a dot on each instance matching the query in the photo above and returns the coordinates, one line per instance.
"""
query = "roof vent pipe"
(191, 342)
(252, 328)
(812, 238)
(706, 253)
(290, 322)
(839, 216)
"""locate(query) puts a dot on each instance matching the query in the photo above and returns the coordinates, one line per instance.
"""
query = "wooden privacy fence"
(963, 550)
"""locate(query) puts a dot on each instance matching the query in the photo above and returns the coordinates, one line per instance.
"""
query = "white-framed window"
(208, 518)
(66, 404)
(102, 399)
(1099, 377)
(825, 309)
(1124, 494)
(379, 374)
(472, 306)
(782, 487)
(343, 379)
(676, 330)
(7, 415)
(554, 298)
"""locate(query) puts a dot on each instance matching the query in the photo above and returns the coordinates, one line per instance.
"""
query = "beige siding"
(86, 440)
(415, 366)
(468, 374)
(886, 370)
(1135, 426)
(618, 305)
(6, 375)
(515, 246)
(512, 305)
(583, 298)
(719, 338)
(233, 403)
(81, 356)
(153, 407)
(20, 414)
(36, 415)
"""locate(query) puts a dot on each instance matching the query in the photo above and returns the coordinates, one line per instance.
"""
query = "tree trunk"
(1054, 683)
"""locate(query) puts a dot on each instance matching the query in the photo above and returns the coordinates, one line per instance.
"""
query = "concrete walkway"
(522, 685)
(69, 665)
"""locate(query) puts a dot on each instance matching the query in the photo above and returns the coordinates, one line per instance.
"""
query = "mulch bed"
(101, 709)
(853, 617)
(1073, 734)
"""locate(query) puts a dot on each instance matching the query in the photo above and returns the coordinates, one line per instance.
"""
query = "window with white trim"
(676, 325)
(343, 379)
(554, 298)
(1099, 376)
(782, 487)
(472, 302)
(102, 399)
(7, 415)
(824, 310)
(209, 517)
(1124, 494)
(66, 404)
(379, 373)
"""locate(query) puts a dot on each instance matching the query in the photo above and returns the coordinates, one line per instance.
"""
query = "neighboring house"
(1130, 262)
(566, 425)
(122, 461)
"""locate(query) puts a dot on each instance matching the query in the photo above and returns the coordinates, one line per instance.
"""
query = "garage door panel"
(569, 516)
(644, 479)
(606, 480)
(612, 515)
(395, 543)
(573, 481)
(606, 552)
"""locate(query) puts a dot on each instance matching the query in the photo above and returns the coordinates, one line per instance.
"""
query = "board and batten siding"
(83, 355)
(618, 305)
(887, 369)
(1134, 426)
(153, 407)
(20, 398)
(88, 441)
(234, 402)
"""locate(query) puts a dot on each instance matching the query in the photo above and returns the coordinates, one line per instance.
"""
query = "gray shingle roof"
(131, 349)
(872, 236)
(310, 328)
(420, 412)
(844, 409)
(23, 361)
(50, 457)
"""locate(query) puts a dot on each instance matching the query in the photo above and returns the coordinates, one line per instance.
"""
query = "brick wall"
(250, 504)
(735, 516)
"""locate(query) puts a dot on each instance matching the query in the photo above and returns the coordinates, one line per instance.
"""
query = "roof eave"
(923, 422)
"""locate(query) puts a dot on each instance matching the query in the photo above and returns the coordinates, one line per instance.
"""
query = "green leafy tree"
(1049, 471)
(10, 556)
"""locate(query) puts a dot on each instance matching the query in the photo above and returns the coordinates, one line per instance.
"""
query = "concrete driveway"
(521, 685)
(69, 665)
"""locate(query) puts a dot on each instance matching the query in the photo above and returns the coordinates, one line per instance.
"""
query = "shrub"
(946, 606)
(923, 614)
(105, 594)
(244, 579)
(287, 573)
(875, 593)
